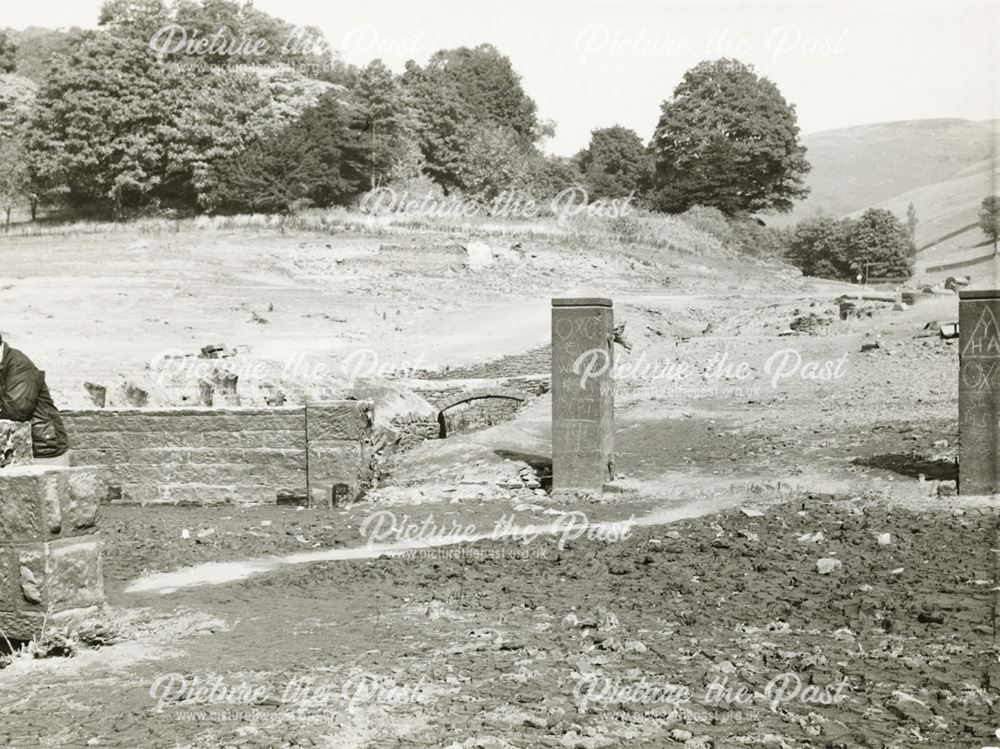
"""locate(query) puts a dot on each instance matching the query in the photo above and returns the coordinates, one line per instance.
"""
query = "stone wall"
(213, 456)
(434, 391)
(411, 430)
(479, 414)
(50, 554)
(534, 362)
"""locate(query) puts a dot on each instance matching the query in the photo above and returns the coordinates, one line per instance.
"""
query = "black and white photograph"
(535, 374)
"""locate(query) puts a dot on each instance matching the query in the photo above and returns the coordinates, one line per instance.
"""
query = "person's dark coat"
(25, 397)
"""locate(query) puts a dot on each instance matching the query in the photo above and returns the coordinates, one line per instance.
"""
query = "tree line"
(168, 108)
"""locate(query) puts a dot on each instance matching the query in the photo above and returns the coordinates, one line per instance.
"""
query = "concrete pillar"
(50, 553)
(583, 392)
(979, 391)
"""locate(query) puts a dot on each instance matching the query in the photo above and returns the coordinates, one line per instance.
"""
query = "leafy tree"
(38, 49)
(494, 160)
(137, 19)
(382, 118)
(8, 53)
(17, 97)
(234, 33)
(240, 26)
(94, 137)
(315, 161)
(727, 139)
(115, 130)
(878, 246)
(460, 99)
(216, 115)
(614, 164)
(551, 175)
(15, 183)
(819, 247)
(989, 217)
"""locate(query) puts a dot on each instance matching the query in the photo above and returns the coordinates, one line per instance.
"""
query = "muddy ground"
(712, 625)
(716, 631)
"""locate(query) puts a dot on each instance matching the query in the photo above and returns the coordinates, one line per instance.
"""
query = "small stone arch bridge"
(471, 395)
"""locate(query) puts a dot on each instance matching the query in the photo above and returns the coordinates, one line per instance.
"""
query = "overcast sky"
(594, 63)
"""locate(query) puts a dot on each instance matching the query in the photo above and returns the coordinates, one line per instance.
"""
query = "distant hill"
(943, 167)
(948, 236)
(858, 167)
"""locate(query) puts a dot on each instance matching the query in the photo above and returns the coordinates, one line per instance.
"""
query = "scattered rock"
(947, 489)
(205, 392)
(134, 395)
(827, 565)
(618, 336)
(811, 324)
(214, 351)
(908, 707)
(478, 255)
(948, 331)
(98, 394)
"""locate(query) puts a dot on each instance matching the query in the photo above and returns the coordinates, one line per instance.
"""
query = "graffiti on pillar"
(979, 396)
(984, 341)
(981, 375)
(582, 395)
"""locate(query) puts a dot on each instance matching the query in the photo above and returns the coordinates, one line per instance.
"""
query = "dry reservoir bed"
(713, 632)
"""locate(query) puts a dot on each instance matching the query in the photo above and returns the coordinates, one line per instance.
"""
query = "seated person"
(25, 397)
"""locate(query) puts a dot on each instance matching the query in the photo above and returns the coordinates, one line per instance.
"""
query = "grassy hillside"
(858, 167)
(949, 239)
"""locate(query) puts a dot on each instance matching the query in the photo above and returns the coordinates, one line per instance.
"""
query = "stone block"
(25, 625)
(15, 443)
(333, 464)
(8, 580)
(40, 503)
(49, 578)
(338, 420)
